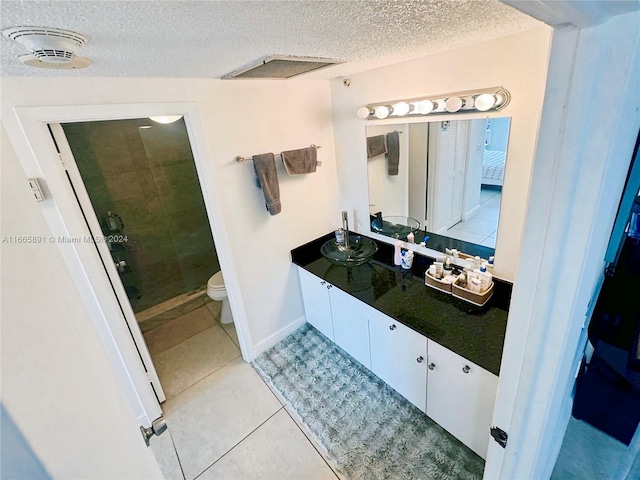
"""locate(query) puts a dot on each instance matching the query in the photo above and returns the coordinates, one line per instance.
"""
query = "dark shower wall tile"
(193, 241)
(198, 268)
(149, 178)
(147, 182)
(123, 185)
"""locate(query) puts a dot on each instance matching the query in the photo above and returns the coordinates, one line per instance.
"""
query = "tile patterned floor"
(482, 228)
(224, 421)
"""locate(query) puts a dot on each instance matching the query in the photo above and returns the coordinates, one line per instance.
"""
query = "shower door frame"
(40, 159)
(95, 231)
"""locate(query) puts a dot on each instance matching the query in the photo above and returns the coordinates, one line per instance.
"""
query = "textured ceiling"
(167, 38)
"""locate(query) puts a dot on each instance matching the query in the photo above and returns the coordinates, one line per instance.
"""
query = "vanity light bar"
(474, 100)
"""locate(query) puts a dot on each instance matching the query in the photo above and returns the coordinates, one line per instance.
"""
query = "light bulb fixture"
(401, 109)
(365, 112)
(382, 111)
(166, 118)
(481, 100)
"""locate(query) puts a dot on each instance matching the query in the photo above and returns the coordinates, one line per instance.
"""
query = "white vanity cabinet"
(317, 307)
(399, 357)
(351, 325)
(337, 315)
(461, 396)
(456, 393)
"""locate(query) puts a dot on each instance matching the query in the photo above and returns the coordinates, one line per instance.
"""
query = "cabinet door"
(460, 397)
(399, 357)
(315, 295)
(351, 325)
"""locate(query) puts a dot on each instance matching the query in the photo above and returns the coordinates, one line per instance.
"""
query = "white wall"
(517, 62)
(57, 383)
(48, 328)
(240, 118)
(389, 192)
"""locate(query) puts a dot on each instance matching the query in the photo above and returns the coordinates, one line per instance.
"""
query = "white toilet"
(217, 291)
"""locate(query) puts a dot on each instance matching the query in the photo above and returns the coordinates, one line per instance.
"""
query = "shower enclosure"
(141, 178)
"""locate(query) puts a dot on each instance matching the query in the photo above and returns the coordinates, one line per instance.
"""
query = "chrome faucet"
(345, 227)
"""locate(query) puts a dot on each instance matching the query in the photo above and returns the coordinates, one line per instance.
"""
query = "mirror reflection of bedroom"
(475, 211)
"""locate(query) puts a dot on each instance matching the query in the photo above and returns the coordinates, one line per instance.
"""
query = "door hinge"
(158, 426)
(499, 436)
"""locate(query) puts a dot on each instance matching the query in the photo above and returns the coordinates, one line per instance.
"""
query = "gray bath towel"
(393, 153)
(303, 160)
(376, 146)
(265, 169)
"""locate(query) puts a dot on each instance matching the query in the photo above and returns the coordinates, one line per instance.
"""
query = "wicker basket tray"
(437, 284)
(478, 299)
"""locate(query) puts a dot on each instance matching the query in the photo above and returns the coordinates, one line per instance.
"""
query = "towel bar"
(240, 158)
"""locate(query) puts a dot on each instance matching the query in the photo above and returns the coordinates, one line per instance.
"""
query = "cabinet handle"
(432, 366)
(392, 327)
(420, 359)
(466, 369)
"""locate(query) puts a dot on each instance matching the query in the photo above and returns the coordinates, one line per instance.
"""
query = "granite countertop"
(475, 333)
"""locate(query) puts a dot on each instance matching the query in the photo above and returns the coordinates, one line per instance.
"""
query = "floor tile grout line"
(306, 435)
(184, 477)
(175, 319)
(276, 393)
(203, 378)
(239, 442)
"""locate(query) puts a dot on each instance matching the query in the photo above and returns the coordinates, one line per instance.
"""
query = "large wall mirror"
(448, 177)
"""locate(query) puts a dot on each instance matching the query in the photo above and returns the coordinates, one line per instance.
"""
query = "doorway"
(145, 204)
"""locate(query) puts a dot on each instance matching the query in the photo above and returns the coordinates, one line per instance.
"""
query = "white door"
(350, 325)
(399, 357)
(315, 296)
(448, 148)
(461, 397)
(93, 230)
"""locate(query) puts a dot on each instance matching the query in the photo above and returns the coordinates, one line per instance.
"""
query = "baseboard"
(281, 334)
(466, 216)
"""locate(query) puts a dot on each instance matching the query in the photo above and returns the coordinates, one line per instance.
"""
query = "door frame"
(93, 229)
(39, 159)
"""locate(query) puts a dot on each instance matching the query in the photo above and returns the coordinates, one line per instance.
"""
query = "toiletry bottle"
(410, 238)
(407, 259)
(340, 236)
(397, 256)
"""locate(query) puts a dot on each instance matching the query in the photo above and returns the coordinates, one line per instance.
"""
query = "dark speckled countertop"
(476, 334)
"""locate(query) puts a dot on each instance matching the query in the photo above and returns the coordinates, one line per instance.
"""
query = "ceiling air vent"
(281, 67)
(49, 47)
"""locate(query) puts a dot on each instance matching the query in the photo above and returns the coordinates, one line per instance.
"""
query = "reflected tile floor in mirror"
(482, 228)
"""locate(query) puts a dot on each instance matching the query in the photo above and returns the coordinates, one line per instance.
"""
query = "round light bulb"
(424, 107)
(364, 112)
(500, 98)
(453, 104)
(468, 103)
(485, 101)
(166, 118)
(382, 111)
(401, 108)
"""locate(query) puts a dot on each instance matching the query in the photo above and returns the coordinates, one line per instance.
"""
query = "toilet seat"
(216, 282)
(217, 291)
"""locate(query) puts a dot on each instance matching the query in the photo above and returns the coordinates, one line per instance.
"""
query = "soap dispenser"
(397, 255)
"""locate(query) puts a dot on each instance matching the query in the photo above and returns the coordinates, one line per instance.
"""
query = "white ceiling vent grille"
(281, 67)
(49, 47)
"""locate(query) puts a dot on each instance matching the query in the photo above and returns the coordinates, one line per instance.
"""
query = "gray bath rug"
(368, 430)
